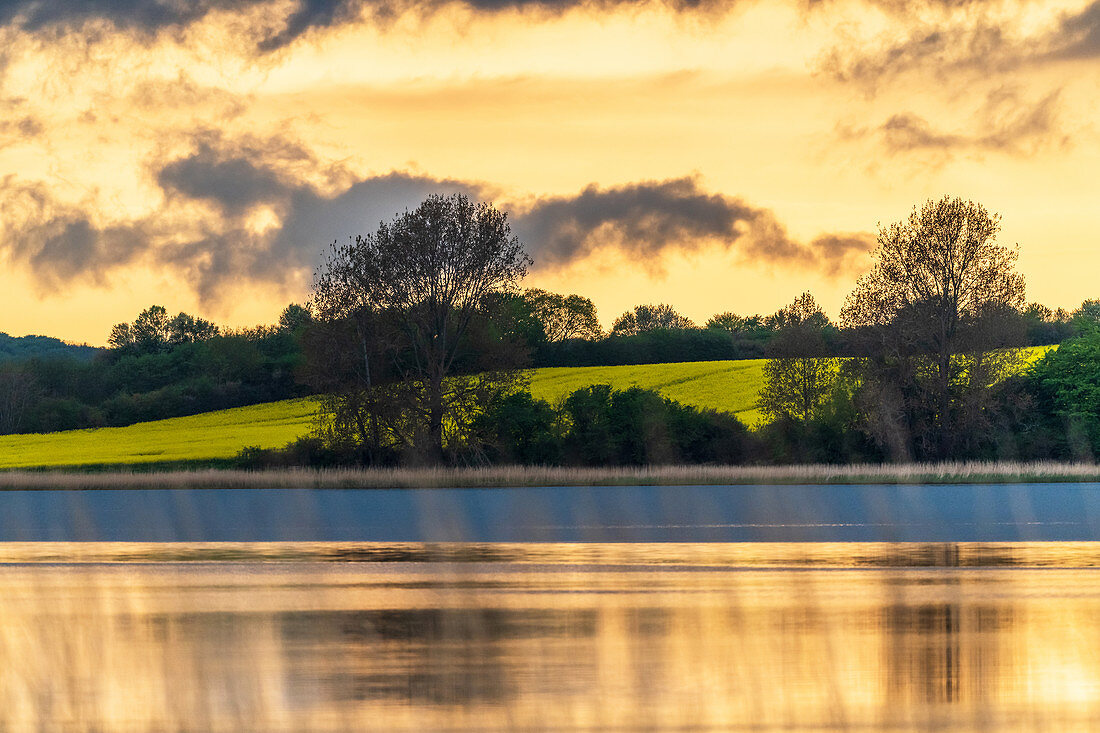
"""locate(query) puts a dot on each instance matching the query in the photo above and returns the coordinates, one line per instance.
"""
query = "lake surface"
(825, 608)
(933, 513)
(549, 636)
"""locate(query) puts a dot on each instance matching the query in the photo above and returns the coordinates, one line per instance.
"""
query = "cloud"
(288, 21)
(1078, 35)
(237, 174)
(968, 36)
(644, 221)
(60, 243)
(1004, 123)
(152, 16)
(206, 230)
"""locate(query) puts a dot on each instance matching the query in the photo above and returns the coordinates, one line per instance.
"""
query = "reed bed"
(519, 476)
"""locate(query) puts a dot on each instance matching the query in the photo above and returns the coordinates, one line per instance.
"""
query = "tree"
(405, 328)
(649, 318)
(931, 319)
(1044, 326)
(564, 316)
(19, 390)
(294, 318)
(798, 376)
(803, 311)
(153, 331)
(728, 321)
(187, 329)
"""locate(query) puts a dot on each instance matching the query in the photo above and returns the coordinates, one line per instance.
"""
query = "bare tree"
(934, 317)
(404, 312)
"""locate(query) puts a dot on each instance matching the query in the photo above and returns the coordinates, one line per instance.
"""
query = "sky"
(718, 155)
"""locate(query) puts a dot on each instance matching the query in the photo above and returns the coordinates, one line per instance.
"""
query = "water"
(698, 608)
(414, 636)
(932, 513)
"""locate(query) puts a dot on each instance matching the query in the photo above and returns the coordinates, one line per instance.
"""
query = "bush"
(519, 429)
(637, 426)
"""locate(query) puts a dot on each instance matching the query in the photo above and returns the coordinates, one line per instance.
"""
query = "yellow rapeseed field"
(731, 386)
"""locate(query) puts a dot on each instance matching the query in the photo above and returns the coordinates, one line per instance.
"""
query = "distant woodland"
(417, 336)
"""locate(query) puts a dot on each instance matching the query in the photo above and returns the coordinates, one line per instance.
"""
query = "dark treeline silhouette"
(156, 367)
(21, 348)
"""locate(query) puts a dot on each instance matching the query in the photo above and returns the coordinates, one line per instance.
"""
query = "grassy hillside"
(722, 385)
(210, 435)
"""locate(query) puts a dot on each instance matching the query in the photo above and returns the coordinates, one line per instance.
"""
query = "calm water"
(412, 636)
(934, 513)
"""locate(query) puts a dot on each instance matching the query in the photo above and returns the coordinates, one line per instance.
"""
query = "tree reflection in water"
(567, 637)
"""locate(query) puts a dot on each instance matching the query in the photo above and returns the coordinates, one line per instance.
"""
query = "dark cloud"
(1078, 34)
(310, 222)
(1004, 123)
(234, 182)
(978, 42)
(643, 221)
(60, 243)
(311, 14)
(216, 250)
(152, 16)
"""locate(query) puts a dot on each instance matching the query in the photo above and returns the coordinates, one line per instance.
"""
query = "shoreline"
(954, 472)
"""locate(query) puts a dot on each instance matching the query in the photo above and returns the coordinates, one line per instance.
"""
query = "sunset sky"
(713, 155)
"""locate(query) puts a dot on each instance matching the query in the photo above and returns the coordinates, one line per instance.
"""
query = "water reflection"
(549, 637)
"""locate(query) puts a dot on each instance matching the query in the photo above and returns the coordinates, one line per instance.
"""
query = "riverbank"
(971, 472)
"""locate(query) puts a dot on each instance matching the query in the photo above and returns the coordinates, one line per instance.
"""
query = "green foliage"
(518, 428)
(1066, 384)
(22, 348)
(702, 388)
(563, 317)
(659, 346)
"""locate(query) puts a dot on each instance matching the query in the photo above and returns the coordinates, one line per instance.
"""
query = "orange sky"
(648, 151)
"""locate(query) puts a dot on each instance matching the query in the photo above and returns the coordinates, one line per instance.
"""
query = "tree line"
(416, 338)
(421, 331)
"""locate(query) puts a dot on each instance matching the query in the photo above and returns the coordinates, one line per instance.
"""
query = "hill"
(20, 348)
(721, 385)
(731, 386)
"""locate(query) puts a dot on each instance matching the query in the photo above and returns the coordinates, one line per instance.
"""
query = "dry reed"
(516, 476)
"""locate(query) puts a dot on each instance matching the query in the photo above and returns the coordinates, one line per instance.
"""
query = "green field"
(722, 385)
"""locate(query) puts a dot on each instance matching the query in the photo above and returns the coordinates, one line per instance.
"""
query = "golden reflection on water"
(406, 636)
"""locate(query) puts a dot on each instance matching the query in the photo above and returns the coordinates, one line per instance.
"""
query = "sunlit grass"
(211, 435)
(730, 386)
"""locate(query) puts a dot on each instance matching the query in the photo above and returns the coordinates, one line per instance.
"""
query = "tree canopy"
(931, 315)
(406, 344)
(649, 318)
